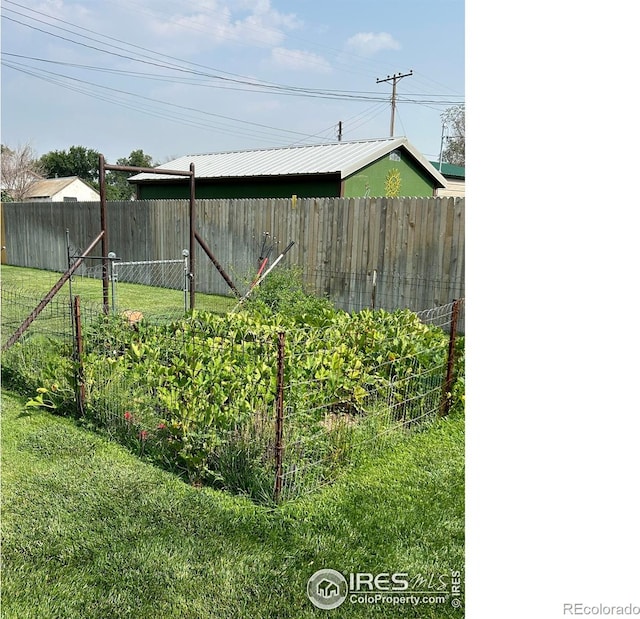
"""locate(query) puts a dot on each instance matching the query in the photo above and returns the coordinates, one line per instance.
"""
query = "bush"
(282, 292)
(42, 366)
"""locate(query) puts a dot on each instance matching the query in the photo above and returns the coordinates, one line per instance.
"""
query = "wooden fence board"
(416, 245)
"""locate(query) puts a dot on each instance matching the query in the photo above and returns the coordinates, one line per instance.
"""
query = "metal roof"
(343, 158)
(449, 170)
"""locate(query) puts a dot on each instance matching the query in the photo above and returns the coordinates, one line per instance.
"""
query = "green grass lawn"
(149, 300)
(88, 530)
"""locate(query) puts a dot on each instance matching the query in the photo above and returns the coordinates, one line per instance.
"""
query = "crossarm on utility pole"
(394, 79)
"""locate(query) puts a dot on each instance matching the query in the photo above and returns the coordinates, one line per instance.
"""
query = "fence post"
(70, 279)
(103, 228)
(113, 276)
(279, 417)
(445, 403)
(192, 236)
(80, 388)
(185, 283)
(373, 289)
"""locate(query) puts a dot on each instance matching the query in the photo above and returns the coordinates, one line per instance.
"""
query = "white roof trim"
(343, 158)
(390, 147)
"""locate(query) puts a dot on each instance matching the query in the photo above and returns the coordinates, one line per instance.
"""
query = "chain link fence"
(171, 275)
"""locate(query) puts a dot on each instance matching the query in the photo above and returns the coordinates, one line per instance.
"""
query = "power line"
(240, 80)
(374, 113)
(110, 90)
(338, 54)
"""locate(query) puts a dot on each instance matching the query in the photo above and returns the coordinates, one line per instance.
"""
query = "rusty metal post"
(105, 243)
(218, 266)
(192, 235)
(80, 388)
(445, 402)
(279, 448)
(70, 279)
(103, 218)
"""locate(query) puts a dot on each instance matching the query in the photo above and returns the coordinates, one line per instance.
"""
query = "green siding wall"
(372, 179)
(302, 186)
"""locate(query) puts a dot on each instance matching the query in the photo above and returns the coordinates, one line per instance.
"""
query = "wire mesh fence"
(44, 355)
(383, 289)
(272, 412)
(380, 393)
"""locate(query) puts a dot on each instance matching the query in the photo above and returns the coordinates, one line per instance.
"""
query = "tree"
(453, 121)
(77, 161)
(117, 186)
(20, 170)
(85, 163)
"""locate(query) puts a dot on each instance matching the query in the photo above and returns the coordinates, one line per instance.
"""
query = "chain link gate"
(170, 274)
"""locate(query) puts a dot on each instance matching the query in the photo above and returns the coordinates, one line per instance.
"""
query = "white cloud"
(299, 60)
(50, 6)
(71, 11)
(370, 43)
(251, 22)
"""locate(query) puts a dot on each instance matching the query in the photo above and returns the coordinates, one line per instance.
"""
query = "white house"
(67, 189)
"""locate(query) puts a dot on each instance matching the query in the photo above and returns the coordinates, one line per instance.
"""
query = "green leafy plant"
(49, 397)
(197, 395)
(42, 368)
(283, 293)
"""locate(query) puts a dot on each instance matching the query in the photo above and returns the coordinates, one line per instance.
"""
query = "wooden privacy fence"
(385, 252)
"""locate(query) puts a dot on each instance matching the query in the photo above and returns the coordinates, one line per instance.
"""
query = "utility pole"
(395, 78)
(441, 146)
(340, 131)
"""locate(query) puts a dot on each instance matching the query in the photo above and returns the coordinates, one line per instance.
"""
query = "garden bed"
(271, 401)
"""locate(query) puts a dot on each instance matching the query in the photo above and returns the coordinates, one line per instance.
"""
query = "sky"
(207, 76)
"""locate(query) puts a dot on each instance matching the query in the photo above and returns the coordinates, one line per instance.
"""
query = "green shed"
(387, 167)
